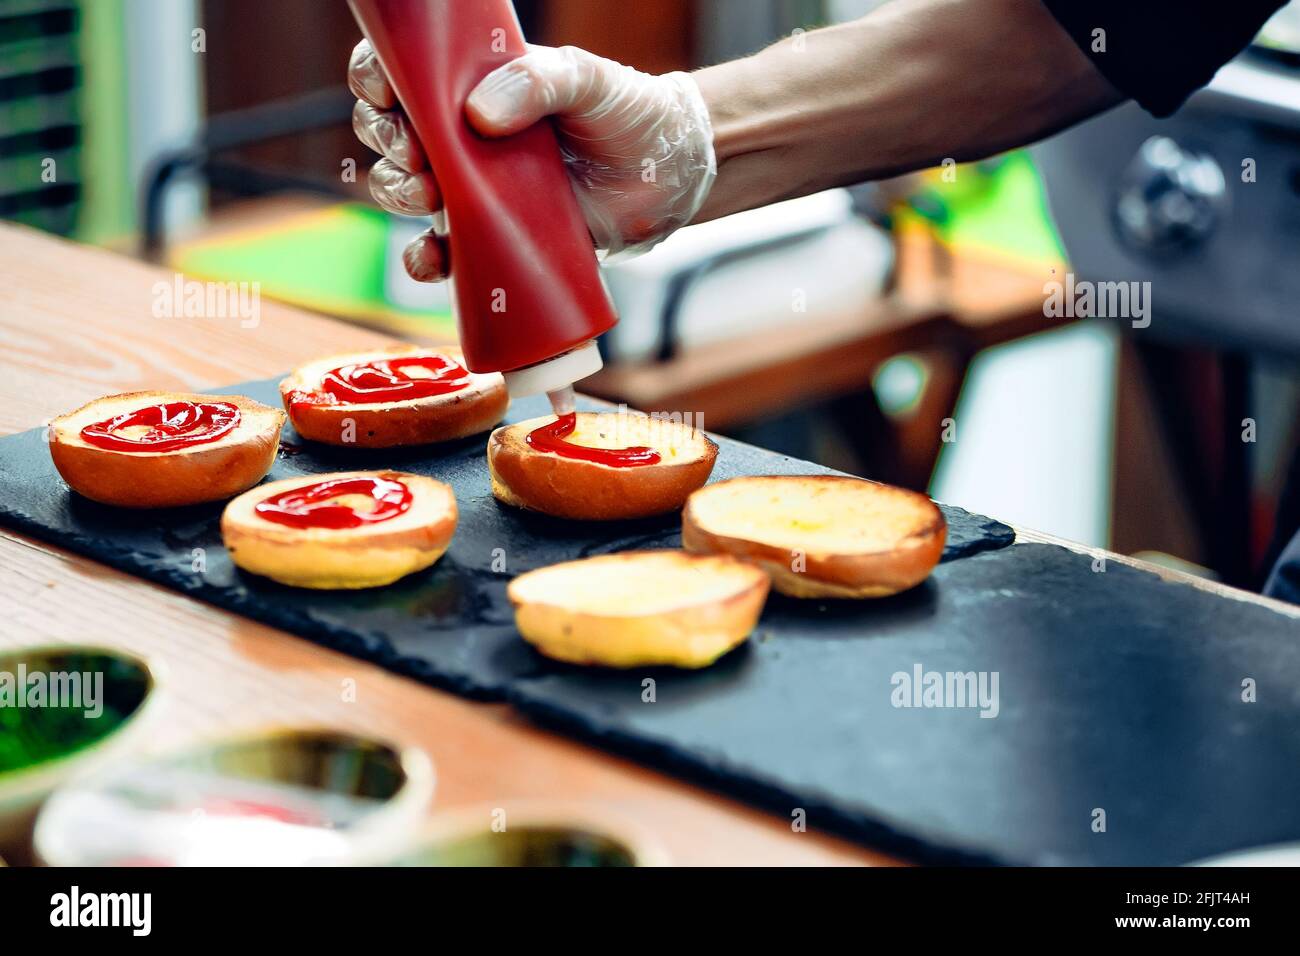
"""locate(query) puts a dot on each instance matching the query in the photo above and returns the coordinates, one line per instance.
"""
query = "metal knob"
(1170, 198)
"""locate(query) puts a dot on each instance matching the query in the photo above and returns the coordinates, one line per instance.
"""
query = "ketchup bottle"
(526, 285)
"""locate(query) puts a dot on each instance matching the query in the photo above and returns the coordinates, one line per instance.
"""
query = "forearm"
(914, 83)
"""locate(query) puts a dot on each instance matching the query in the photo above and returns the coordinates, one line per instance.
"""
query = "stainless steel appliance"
(1205, 204)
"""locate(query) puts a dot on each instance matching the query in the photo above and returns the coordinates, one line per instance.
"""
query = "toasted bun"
(639, 608)
(165, 479)
(820, 536)
(525, 477)
(421, 421)
(336, 558)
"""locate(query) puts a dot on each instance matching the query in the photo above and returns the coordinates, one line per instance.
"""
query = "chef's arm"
(914, 83)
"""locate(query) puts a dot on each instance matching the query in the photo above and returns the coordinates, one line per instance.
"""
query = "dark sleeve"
(1161, 51)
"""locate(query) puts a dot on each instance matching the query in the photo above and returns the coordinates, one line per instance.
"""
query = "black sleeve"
(1160, 51)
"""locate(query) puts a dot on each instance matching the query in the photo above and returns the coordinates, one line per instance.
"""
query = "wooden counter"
(77, 323)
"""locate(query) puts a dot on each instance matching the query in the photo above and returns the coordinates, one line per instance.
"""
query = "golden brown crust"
(812, 573)
(328, 558)
(187, 476)
(640, 608)
(588, 491)
(425, 421)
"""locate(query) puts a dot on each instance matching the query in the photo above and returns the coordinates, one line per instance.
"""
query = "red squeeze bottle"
(527, 290)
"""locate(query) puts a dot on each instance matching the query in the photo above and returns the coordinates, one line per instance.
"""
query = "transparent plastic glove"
(638, 148)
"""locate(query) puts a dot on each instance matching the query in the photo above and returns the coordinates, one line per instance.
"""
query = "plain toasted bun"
(820, 536)
(639, 608)
(525, 477)
(337, 558)
(210, 471)
(421, 421)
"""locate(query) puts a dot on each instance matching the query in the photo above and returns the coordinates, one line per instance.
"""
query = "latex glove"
(638, 148)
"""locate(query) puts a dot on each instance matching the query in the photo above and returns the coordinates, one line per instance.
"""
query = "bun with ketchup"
(599, 467)
(358, 529)
(403, 395)
(165, 449)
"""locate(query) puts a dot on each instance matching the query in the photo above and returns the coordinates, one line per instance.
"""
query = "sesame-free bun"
(420, 421)
(820, 536)
(210, 471)
(367, 556)
(639, 608)
(527, 477)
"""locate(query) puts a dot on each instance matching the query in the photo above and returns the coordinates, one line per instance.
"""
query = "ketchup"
(387, 380)
(524, 271)
(171, 425)
(313, 506)
(551, 438)
(231, 807)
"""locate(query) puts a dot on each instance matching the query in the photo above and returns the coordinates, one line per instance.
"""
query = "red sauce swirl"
(172, 425)
(387, 380)
(314, 506)
(551, 438)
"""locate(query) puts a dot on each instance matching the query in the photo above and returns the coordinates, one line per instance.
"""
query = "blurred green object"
(330, 260)
(107, 212)
(900, 382)
(63, 118)
(997, 206)
(40, 730)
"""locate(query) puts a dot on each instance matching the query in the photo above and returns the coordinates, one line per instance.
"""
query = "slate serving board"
(451, 625)
(1117, 691)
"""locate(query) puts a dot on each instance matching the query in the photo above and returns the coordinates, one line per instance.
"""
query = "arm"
(914, 83)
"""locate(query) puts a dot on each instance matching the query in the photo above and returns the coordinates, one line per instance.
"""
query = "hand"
(638, 148)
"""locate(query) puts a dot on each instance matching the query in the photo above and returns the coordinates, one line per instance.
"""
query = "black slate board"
(451, 625)
(1117, 690)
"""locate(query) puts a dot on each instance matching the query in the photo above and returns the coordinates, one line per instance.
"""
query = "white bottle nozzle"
(555, 374)
(563, 401)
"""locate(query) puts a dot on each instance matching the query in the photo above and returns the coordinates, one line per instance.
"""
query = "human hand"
(638, 147)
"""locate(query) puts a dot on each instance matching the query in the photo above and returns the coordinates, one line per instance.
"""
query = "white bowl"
(129, 683)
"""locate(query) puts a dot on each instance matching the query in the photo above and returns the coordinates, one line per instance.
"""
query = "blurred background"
(895, 331)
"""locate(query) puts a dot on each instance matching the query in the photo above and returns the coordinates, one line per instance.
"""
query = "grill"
(1205, 205)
